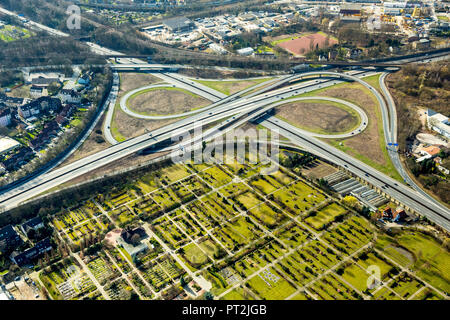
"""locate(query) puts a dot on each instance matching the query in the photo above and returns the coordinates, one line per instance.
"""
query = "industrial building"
(177, 25)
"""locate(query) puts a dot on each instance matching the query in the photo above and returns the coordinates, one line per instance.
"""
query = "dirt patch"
(22, 290)
(366, 143)
(307, 43)
(126, 127)
(112, 237)
(93, 144)
(164, 102)
(131, 81)
(230, 87)
(21, 92)
(408, 255)
(422, 116)
(281, 37)
(317, 117)
(239, 86)
(318, 170)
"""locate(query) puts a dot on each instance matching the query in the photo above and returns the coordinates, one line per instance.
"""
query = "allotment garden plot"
(246, 235)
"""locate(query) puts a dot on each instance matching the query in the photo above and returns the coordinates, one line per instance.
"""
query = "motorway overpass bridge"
(144, 67)
(382, 63)
(293, 63)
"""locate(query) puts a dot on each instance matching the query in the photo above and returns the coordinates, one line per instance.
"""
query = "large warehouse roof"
(7, 144)
(178, 23)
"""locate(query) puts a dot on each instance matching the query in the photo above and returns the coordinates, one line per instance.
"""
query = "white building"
(245, 51)
(28, 110)
(36, 92)
(7, 144)
(70, 96)
(217, 48)
(4, 294)
(438, 122)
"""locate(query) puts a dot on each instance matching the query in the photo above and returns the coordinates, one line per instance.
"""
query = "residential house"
(387, 213)
(399, 215)
(28, 111)
(48, 104)
(18, 159)
(14, 102)
(70, 96)
(42, 104)
(354, 53)
(36, 92)
(61, 120)
(65, 114)
(49, 132)
(84, 80)
(432, 151)
(30, 255)
(5, 115)
(32, 224)
(9, 239)
(428, 153)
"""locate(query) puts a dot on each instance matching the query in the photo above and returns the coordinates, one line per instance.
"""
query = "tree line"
(72, 196)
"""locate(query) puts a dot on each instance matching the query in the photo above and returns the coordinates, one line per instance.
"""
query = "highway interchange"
(235, 110)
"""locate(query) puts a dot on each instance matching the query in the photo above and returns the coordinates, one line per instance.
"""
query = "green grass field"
(228, 87)
(325, 215)
(356, 119)
(431, 261)
(11, 33)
